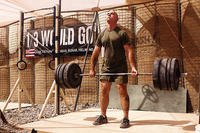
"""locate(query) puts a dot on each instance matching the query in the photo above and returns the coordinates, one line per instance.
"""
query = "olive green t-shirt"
(114, 58)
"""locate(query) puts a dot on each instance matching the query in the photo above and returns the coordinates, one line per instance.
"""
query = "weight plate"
(60, 76)
(72, 75)
(156, 68)
(57, 73)
(64, 76)
(174, 74)
(168, 74)
(177, 75)
(162, 74)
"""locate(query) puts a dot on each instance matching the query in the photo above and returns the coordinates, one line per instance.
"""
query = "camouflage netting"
(155, 29)
(4, 67)
(190, 41)
(26, 76)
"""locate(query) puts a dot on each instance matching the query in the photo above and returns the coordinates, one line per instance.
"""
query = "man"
(117, 46)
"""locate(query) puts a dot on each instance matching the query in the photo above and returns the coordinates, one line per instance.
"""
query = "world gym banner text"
(72, 40)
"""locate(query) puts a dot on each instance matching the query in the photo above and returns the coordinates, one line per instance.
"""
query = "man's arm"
(129, 51)
(94, 59)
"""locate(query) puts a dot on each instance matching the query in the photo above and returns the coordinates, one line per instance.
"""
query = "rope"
(180, 44)
(86, 54)
(176, 38)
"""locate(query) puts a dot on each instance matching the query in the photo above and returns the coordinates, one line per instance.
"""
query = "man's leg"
(103, 102)
(124, 99)
(104, 96)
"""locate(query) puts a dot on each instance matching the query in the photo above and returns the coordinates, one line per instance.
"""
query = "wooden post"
(19, 97)
(179, 18)
(199, 98)
(8, 100)
(20, 42)
(57, 61)
(48, 96)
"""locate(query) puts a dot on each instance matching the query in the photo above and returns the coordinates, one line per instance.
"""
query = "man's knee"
(122, 89)
(105, 87)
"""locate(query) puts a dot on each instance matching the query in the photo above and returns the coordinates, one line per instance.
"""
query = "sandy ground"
(141, 122)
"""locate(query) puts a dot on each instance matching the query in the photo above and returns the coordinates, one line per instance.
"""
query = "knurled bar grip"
(114, 74)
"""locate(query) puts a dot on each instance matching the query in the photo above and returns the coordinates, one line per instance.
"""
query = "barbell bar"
(113, 74)
(165, 75)
(121, 74)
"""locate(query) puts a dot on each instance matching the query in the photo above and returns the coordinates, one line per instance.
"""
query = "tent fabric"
(10, 9)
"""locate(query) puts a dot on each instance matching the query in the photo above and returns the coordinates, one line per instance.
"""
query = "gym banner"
(73, 40)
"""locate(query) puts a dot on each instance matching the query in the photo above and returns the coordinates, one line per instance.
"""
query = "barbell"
(165, 75)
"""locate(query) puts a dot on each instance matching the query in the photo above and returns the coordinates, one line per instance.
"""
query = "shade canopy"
(10, 9)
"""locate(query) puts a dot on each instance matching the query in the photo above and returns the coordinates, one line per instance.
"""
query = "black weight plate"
(168, 74)
(75, 78)
(60, 75)
(64, 76)
(156, 68)
(162, 74)
(65, 85)
(174, 74)
(72, 75)
(57, 73)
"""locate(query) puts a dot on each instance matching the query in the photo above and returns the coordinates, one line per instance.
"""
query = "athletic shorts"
(117, 79)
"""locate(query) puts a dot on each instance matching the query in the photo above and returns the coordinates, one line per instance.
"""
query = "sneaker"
(100, 120)
(125, 123)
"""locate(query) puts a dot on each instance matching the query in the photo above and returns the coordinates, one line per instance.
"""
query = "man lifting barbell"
(116, 44)
(165, 75)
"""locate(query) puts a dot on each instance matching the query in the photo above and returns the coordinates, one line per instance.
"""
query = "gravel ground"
(16, 117)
